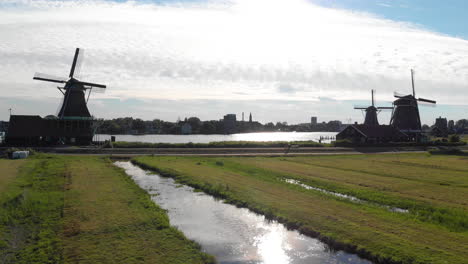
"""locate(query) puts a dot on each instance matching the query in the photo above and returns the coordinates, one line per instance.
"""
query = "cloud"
(384, 4)
(235, 50)
(287, 89)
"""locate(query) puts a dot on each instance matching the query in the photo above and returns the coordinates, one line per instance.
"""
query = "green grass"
(433, 188)
(30, 214)
(84, 209)
(464, 138)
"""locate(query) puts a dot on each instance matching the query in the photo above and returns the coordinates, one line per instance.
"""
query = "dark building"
(440, 128)
(34, 130)
(229, 122)
(406, 116)
(313, 120)
(451, 126)
(372, 134)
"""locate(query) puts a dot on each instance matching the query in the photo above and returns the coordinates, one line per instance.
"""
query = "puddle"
(233, 235)
(345, 196)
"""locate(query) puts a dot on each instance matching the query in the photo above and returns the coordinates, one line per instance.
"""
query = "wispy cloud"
(235, 50)
(384, 4)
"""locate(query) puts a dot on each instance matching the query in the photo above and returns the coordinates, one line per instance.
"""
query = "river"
(233, 235)
(261, 136)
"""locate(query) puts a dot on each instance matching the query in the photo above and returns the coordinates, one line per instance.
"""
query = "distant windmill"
(74, 103)
(371, 112)
(406, 112)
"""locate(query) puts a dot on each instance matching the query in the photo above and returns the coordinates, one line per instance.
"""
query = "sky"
(282, 60)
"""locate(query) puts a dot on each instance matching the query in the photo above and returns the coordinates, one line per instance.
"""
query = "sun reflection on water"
(272, 244)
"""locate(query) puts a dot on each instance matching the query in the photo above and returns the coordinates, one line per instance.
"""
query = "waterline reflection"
(233, 235)
(345, 196)
(259, 136)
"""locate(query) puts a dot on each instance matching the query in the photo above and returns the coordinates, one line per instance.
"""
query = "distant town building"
(313, 120)
(229, 123)
(186, 129)
(242, 116)
(250, 117)
(451, 126)
(440, 128)
(334, 126)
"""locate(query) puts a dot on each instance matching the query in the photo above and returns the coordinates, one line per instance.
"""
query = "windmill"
(371, 112)
(74, 102)
(405, 116)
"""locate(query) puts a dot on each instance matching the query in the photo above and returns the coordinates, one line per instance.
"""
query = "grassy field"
(433, 188)
(464, 138)
(83, 210)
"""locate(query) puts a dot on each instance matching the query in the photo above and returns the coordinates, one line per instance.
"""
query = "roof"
(35, 126)
(25, 125)
(376, 131)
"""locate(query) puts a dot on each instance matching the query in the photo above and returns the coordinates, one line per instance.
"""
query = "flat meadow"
(57, 209)
(390, 208)
(430, 192)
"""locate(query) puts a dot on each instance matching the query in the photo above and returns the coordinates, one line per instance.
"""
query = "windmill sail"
(49, 78)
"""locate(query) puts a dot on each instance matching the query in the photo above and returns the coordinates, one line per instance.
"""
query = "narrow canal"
(233, 235)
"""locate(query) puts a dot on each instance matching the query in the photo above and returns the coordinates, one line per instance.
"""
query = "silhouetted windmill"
(405, 115)
(371, 112)
(74, 102)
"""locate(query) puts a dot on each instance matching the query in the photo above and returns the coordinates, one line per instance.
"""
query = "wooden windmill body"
(406, 115)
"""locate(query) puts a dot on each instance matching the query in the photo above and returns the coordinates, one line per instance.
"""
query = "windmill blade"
(426, 100)
(92, 84)
(385, 108)
(360, 107)
(98, 90)
(427, 104)
(79, 63)
(75, 59)
(48, 78)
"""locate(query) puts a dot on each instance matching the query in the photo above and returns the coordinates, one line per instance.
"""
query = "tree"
(138, 125)
(208, 127)
(195, 123)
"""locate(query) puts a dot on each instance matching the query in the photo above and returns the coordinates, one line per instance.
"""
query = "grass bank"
(432, 188)
(83, 210)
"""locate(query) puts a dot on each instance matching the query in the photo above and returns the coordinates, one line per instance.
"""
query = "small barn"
(35, 130)
(372, 134)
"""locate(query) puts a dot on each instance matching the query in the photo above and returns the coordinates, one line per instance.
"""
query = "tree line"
(130, 125)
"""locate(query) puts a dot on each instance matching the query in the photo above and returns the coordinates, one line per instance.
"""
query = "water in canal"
(233, 235)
